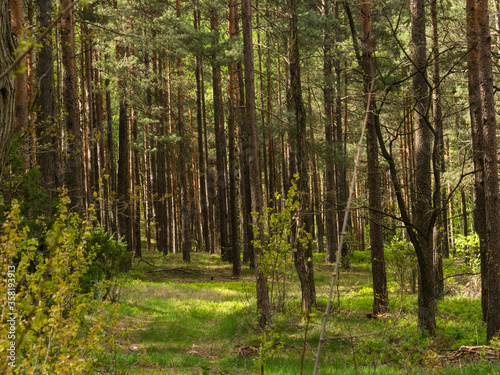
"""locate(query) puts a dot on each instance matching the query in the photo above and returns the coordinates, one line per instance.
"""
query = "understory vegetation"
(197, 319)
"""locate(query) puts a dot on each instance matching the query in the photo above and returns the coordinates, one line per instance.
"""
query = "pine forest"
(258, 187)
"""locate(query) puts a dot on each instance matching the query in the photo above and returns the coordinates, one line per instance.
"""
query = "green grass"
(197, 319)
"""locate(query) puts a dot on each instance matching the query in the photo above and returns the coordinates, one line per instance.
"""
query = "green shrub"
(467, 247)
(401, 262)
(110, 259)
(360, 256)
(54, 328)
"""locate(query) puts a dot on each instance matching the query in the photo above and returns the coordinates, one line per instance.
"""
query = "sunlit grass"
(198, 322)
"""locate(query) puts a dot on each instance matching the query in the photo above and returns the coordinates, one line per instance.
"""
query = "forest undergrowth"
(197, 319)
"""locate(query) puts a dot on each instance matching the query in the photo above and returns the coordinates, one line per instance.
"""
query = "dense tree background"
(175, 121)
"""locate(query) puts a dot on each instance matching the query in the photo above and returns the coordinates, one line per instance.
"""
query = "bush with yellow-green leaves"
(48, 324)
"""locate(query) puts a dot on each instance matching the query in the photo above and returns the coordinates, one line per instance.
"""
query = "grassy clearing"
(196, 319)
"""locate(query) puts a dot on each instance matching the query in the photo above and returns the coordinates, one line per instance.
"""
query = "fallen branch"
(472, 352)
(172, 269)
(145, 261)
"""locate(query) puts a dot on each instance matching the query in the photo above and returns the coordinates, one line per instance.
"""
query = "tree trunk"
(232, 119)
(220, 139)
(183, 161)
(44, 100)
(74, 161)
(303, 254)
(380, 294)
(477, 147)
(440, 232)
(123, 181)
(490, 173)
(330, 212)
(422, 207)
(21, 106)
(7, 85)
(250, 129)
(201, 153)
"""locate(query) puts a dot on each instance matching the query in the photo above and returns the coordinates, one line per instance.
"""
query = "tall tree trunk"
(220, 139)
(303, 254)
(44, 100)
(250, 129)
(7, 85)
(480, 220)
(201, 153)
(74, 161)
(490, 174)
(183, 161)
(440, 232)
(123, 181)
(328, 95)
(232, 118)
(422, 207)
(110, 158)
(380, 293)
(21, 106)
(245, 189)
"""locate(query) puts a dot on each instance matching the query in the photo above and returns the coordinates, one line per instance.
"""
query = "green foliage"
(52, 332)
(402, 264)
(275, 259)
(467, 248)
(24, 186)
(360, 256)
(109, 259)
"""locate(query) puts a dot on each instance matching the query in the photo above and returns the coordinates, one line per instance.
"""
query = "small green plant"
(402, 264)
(110, 259)
(275, 260)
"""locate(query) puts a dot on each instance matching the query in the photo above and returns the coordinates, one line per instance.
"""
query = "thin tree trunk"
(380, 293)
(328, 93)
(47, 156)
(250, 129)
(480, 220)
(303, 254)
(232, 118)
(440, 232)
(220, 139)
(422, 208)
(74, 162)
(201, 153)
(113, 226)
(21, 106)
(183, 150)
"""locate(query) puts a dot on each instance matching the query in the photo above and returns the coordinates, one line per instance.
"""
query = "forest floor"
(197, 319)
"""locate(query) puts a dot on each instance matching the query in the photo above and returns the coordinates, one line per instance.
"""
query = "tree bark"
(250, 128)
(44, 100)
(380, 293)
(21, 106)
(440, 232)
(303, 253)
(74, 160)
(7, 85)
(422, 204)
(183, 162)
(220, 140)
(201, 153)
(490, 174)
(232, 119)
(477, 148)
